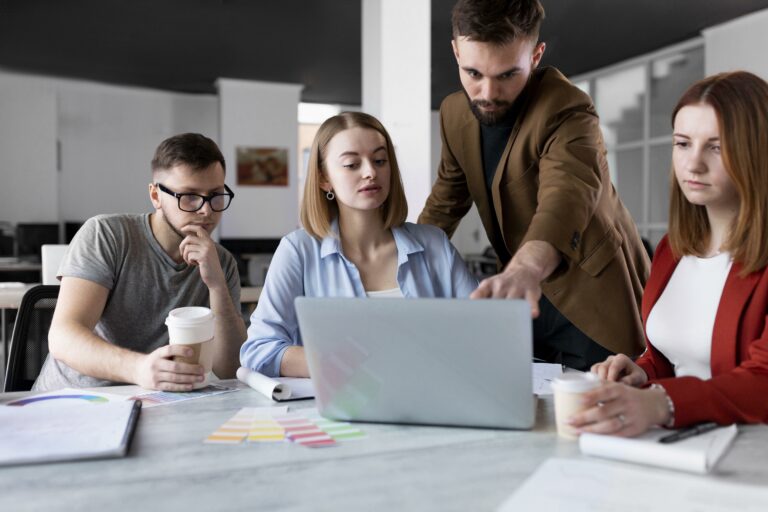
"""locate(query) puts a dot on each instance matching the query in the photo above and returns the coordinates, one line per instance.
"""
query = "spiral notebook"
(698, 454)
(33, 432)
(279, 389)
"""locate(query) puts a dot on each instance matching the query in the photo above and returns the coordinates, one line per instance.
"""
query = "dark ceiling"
(184, 45)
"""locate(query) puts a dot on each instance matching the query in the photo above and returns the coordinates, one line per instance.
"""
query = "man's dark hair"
(192, 149)
(497, 21)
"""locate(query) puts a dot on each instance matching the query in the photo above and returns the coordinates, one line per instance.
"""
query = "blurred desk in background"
(249, 297)
(481, 265)
(14, 269)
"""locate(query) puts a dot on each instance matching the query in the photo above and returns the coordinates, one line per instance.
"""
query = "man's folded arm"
(72, 339)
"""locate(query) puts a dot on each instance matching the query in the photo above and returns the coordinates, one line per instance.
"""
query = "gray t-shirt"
(120, 253)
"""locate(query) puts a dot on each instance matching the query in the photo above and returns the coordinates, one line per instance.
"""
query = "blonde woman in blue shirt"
(355, 243)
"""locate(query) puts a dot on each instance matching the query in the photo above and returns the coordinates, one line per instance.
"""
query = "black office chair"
(29, 342)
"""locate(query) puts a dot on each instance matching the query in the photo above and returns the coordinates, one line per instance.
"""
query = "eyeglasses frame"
(206, 199)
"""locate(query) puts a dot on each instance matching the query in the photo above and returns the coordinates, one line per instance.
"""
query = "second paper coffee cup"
(569, 388)
(193, 326)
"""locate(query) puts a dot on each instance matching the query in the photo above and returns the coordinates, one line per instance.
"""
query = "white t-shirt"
(392, 293)
(681, 322)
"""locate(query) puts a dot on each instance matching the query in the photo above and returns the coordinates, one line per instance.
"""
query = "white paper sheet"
(281, 388)
(698, 454)
(579, 485)
(543, 375)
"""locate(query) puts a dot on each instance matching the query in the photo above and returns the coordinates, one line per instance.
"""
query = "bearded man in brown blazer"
(524, 144)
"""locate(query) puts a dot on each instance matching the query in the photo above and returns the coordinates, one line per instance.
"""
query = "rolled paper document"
(265, 385)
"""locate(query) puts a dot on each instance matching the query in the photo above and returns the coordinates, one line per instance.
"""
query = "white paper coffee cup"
(568, 389)
(193, 326)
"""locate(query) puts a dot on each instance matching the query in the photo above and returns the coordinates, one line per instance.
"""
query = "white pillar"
(396, 86)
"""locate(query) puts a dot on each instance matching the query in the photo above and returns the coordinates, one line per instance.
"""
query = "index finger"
(167, 351)
(194, 229)
(180, 367)
(482, 291)
(533, 299)
(615, 369)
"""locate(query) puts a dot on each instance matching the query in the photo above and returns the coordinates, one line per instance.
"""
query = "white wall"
(28, 176)
(264, 115)
(738, 44)
(106, 134)
(108, 137)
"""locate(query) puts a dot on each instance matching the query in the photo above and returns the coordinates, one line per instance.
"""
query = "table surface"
(10, 295)
(394, 468)
(250, 294)
(20, 266)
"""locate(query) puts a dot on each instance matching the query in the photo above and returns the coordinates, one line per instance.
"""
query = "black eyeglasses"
(193, 202)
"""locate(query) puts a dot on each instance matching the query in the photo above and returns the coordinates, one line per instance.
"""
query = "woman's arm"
(274, 327)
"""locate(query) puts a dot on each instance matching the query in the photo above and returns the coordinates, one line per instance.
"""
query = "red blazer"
(738, 389)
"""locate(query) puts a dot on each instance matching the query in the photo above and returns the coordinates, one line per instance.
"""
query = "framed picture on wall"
(262, 167)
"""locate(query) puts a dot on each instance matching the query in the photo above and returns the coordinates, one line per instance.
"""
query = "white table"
(250, 294)
(395, 468)
(11, 294)
(16, 265)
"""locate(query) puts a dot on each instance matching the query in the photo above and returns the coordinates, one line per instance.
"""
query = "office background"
(89, 88)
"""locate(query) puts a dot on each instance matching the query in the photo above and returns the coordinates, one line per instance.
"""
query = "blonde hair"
(317, 212)
(740, 101)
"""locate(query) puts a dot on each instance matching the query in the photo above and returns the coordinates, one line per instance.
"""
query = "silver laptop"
(424, 361)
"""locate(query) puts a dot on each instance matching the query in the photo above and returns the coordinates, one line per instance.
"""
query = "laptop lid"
(425, 361)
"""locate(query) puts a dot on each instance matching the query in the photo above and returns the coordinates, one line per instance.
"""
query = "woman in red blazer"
(705, 304)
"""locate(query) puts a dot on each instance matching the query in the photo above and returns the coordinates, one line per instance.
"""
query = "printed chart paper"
(155, 398)
(66, 397)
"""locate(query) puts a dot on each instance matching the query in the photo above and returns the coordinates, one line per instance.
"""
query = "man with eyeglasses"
(123, 273)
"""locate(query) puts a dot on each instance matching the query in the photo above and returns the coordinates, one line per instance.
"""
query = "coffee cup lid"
(574, 382)
(188, 316)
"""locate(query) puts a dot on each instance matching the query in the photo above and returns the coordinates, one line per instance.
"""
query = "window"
(635, 100)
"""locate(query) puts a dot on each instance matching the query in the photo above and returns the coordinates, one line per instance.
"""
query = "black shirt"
(493, 140)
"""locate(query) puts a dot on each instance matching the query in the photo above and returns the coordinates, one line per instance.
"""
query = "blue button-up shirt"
(427, 266)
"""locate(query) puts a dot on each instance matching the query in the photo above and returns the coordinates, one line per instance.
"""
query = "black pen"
(688, 432)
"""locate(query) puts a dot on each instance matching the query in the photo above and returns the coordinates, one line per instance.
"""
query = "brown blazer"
(552, 184)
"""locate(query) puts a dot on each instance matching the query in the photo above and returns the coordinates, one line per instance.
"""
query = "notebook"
(420, 361)
(697, 454)
(279, 389)
(52, 430)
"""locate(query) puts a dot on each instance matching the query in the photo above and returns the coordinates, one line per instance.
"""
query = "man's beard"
(490, 118)
(181, 235)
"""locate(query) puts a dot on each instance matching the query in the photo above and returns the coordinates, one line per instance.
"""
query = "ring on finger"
(622, 419)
